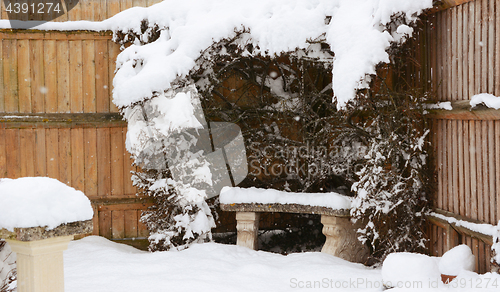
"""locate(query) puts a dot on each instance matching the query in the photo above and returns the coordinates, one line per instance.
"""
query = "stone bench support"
(341, 233)
(40, 266)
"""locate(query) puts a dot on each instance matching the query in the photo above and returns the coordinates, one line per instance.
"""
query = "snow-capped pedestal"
(39, 216)
(340, 232)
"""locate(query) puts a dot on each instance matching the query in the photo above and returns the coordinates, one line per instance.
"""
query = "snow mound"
(404, 267)
(446, 105)
(487, 99)
(40, 201)
(236, 195)
(457, 259)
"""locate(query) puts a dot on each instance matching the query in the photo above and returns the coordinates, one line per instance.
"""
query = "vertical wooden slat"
(65, 156)
(2, 99)
(89, 97)
(38, 89)
(23, 75)
(491, 46)
(497, 54)
(75, 76)
(113, 7)
(3, 156)
(95, 220)
(10, 78)
(459, 53)
(142, 230)
(473, 172)
(465, 50)
(497, 167)
(27, 152)
(99, 10)
(52, 148)
(479, 170)
(117, 150)
(477, 48)
(467, 170)
(484, 171)
(103, 162)
(40, 153)
(439, 56)
(484, 46)
(77, 159)
(141, 3)
(449, 50)
(87, 10)
(471, 56)
(75, 14)
(50, 64)
(453, 54)
(491, 173)
(126, 4)
(113, 50)
(105, 224)
(461, 164)
(440, 164)
(455, 167)
(118, 224)
(62, 76)
(90, 149)
(130, 223)
(449, 151)
(101, 76)
(12, 150)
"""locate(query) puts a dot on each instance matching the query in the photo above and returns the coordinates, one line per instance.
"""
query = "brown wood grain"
(90, 150)
(471, 58)
(142, 230)
(52, 150)
(102, 76)
(130, 223)
(27, 152)
(65, 173)
(118, 224)
(76, 76)
(24, 75)
(3, 154)
(40, 153)
(89, 89)
(37, 56)
(50, 65)
(10, 78)
(63, 95)
(77, 159)
(13, 152)
(473, 170)
(103, 162)
(461, 166)
(459, 54)
(117, 150)
(467, 172)
(105, 224)
(114, 50)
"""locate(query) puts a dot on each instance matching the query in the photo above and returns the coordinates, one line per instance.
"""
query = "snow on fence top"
(487, 99)
(359, 32)
(40, 201)
(236, 195)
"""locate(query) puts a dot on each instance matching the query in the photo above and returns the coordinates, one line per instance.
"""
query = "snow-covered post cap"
(35, 208)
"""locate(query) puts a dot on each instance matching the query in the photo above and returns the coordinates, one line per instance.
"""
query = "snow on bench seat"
(269, 200)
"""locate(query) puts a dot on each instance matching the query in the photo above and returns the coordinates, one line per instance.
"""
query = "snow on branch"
(171, 36)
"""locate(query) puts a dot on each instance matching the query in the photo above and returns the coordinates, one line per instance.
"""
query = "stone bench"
(39, 252)
(341, 238)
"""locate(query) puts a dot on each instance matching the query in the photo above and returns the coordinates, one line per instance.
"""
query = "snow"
(215, 267)
(486, 229)
(236, 195)
(489, 100)
(457, 259)
(409, 267)
(446, 105)
(40, 201)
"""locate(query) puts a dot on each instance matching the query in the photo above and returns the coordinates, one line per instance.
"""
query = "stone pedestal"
(248, 228)
(40, 266)
(341, 239)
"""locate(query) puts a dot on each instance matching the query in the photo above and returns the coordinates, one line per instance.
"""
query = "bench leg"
(341, 239)
(248, 228)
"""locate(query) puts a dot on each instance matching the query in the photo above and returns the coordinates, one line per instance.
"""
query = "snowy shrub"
(272, 67)
(8, 274)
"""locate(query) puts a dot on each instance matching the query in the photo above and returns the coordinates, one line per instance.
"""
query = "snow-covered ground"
(96, 264)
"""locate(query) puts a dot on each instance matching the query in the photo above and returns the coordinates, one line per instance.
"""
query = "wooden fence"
(459, 56)
(57, 118)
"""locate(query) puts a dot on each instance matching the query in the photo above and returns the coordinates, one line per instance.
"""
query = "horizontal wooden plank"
(31, 34)
(460, 229)
(61, 120)
(463, 111)
(123, 207)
